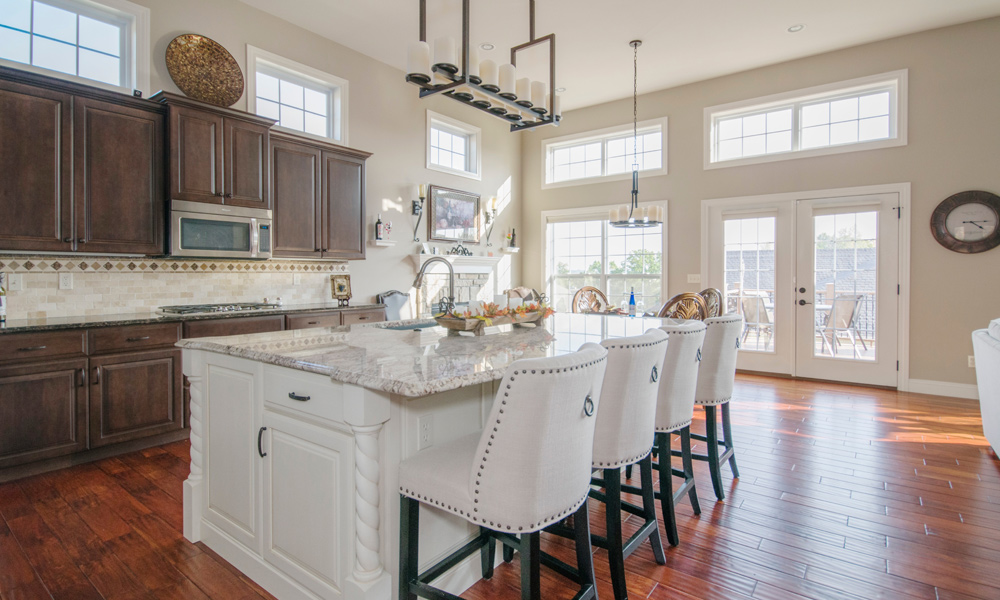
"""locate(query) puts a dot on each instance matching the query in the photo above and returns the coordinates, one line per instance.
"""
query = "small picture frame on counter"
(340, 287)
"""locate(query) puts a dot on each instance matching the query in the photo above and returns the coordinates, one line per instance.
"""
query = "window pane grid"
(449, 150)
(50, 37)
(612, 154)
(293, 105)
(750, 278)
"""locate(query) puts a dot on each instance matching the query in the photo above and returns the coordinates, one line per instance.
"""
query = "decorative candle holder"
(418, 209)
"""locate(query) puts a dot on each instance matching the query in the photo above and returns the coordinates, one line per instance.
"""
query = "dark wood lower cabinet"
(135, 395)
(233, 326)
(43, 410)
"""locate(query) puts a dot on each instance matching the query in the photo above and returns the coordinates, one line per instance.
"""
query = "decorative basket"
(478, 326)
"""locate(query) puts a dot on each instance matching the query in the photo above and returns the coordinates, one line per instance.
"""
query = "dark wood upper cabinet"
(36, 166)
(118, 178)
(217, 155)
(296, 192)
(318, 191)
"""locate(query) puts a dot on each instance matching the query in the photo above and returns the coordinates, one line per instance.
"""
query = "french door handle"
(803, 302)
(260, 439)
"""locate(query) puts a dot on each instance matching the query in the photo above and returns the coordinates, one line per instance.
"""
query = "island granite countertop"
(414, 358)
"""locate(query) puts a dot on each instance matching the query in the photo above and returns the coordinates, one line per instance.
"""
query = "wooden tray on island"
(478, 326)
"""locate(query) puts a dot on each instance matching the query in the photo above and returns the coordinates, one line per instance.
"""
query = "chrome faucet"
(447, 304)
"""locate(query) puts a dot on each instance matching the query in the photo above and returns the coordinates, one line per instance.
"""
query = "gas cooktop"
(191, 309)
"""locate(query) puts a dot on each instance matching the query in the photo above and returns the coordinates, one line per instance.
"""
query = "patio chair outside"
(842, 321)
(756, 318)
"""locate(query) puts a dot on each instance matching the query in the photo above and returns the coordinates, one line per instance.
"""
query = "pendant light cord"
(635, 107)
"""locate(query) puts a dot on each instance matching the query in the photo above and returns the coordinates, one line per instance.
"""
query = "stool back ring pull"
(502, 478)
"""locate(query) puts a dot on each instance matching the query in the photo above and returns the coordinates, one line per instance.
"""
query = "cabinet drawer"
(233, 326)
(362, 316)
(303, 393)
(116, 339)
(327, 319)
(30, 346)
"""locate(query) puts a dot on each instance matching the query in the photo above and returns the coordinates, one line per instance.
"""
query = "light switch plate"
(297, 279)
(694, 277)
(972, 361)
(14, 282)
(65, 281)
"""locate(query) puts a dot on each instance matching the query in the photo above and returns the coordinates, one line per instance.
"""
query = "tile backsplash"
(111, 285)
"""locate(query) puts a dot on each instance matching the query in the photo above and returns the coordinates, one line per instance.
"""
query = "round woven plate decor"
(204, 70)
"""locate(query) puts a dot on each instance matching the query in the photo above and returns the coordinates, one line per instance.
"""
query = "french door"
(816, 281)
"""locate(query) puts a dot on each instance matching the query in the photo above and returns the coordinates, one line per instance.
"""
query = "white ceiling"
(683, 41)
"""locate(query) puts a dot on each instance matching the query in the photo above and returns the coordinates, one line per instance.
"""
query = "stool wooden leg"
(616, 550)
(727, 432)
(488, 553)
(628, 471)
(508, 553)
(689, 468)
(584, 553)
(666, 488)
(409, 521)
(712, 433)
(649, 507)
(531, 566)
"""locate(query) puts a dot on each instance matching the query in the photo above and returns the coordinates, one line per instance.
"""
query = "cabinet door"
(246, 163)
(350, 317)
(195, 155)
(303, 531)
(118, 178)
(43, 411)
(35, 169)
(233, 326)
(134, 395)
(344, 203)
(295, 183)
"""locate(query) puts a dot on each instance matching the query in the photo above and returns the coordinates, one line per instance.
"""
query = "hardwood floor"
(845, 493)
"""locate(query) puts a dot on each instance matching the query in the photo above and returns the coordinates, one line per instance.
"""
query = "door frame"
(903, 249)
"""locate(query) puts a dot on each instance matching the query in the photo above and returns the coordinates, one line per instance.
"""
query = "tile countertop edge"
(96, 321)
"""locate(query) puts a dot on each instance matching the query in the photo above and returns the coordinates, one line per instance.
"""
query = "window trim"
(295, 70)
(136, 53)
(549, 146)
(601, 212)
(475, 145)
(898, 106)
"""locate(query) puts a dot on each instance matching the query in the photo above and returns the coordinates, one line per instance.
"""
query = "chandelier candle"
(490, 75)
(418, 63)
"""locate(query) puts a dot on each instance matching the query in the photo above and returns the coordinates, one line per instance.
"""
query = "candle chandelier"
(484, 85)
(631, 216)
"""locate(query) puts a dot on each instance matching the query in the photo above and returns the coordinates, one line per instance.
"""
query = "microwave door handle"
(254, 238)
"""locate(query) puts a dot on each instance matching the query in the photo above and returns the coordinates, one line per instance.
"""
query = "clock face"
(971, 222)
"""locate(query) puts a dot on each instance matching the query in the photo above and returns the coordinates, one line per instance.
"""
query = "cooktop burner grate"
(190, 309)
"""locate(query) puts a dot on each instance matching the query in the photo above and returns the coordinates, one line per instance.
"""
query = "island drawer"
(325, 319)
(303, 393)
(117, 339)
(362, 316)
(30, 346)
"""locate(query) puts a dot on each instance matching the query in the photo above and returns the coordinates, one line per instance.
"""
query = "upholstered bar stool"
(503, 479)
(674, 410)
(624, 437)
(716, 378)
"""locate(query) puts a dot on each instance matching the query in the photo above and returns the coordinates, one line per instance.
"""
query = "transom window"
(80, 40)
(854, 115)
(600, 155)
(584, 251)
(453, 146)
(298, 97)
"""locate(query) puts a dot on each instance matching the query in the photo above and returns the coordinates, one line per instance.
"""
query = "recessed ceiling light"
(486, 46)
(796, 28)
(560, 90)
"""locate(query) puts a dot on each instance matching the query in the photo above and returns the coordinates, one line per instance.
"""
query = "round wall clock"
(967, 222)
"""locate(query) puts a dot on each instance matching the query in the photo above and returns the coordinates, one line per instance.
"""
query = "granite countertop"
(417, 361)
(111, 320)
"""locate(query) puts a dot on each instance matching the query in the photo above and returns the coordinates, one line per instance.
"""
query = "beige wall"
(385, 117)
(954, 145)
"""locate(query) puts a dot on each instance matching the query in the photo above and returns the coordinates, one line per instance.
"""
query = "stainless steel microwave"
(204, 230)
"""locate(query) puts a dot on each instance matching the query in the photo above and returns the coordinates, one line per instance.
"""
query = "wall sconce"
(491, 216)
(418, 208)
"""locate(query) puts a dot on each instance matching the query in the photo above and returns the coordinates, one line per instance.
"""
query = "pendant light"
(631, 216)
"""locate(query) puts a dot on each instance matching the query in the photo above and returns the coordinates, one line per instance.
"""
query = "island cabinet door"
(308, 503)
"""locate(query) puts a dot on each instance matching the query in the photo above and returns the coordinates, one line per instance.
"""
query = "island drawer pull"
(31, 348)
(260, 439)
(137, 339)
(295, 396)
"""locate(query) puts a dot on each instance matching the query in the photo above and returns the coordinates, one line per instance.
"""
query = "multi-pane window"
(853, 115)
(76, 39)
(749, 278)
(613, 152)
(616, 261)
(294, 104)
(453, 146)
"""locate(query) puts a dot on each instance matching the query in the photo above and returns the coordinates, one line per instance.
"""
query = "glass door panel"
(750, 278)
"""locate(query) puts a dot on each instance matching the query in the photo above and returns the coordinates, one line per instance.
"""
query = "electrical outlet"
(14, 282)
(425, 429)
(297, 279)
(972, 361)
(694, 277)
(65, 281)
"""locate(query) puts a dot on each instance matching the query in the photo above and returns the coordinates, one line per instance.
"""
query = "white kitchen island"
(297, 436)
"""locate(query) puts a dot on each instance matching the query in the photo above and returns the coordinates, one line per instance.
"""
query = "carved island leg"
(193, 485)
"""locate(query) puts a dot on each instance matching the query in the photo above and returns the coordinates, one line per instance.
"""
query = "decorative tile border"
(116, 264)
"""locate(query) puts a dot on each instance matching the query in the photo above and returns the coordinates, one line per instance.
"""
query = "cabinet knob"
(68, 240)
(81, 241)
(318, 250)
(219, 194)
(229, 195)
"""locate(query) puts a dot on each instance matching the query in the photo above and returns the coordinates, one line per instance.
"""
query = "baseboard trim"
(944, 388)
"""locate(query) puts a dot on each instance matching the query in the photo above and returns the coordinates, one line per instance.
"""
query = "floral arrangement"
(492, 311)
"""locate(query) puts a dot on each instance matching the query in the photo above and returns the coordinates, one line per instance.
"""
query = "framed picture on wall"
(454, 216)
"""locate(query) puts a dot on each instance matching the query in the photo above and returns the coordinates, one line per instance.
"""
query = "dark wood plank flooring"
(845, 493)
